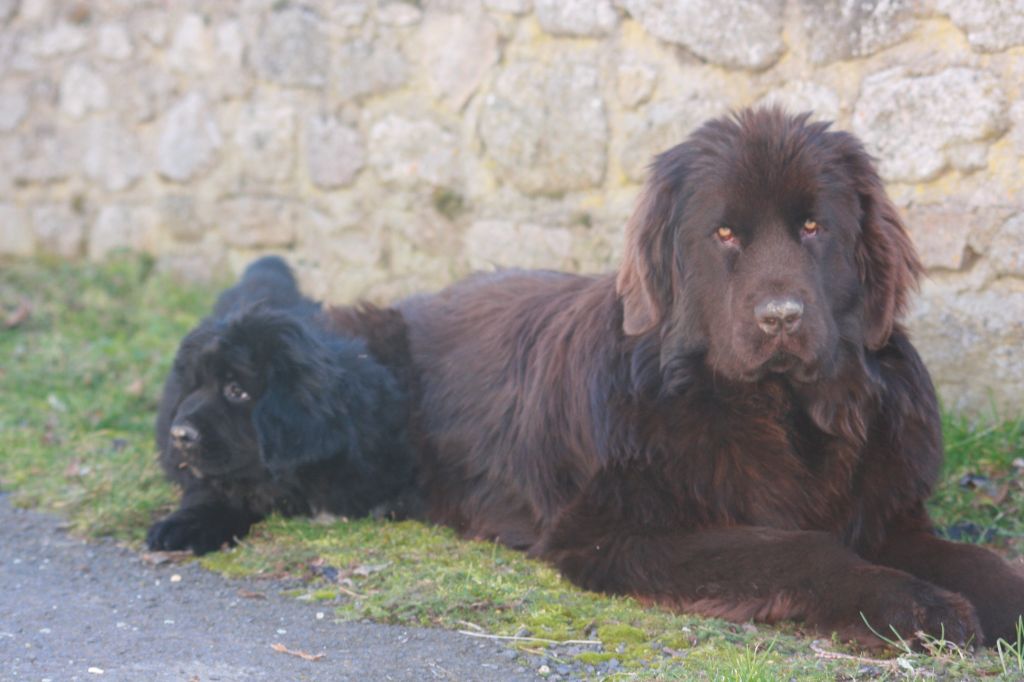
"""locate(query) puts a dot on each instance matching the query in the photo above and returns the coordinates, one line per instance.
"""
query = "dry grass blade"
(345, 590)
(282, 649)
(515, 638)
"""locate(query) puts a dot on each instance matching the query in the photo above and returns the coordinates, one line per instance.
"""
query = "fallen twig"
(821, 652)
(160, 558)
(514, 638)
(282, 649)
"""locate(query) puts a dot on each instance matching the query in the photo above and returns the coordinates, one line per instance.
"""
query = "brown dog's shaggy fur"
(736, 424)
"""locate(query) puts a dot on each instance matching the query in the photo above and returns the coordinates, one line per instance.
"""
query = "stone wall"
(392, 146)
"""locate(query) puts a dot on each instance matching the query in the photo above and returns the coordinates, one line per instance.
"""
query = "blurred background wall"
(392, 146)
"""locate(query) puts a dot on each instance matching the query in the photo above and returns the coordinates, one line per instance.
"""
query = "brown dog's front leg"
(743, 573)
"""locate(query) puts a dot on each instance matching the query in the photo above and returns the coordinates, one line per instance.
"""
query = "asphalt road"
(71, 610)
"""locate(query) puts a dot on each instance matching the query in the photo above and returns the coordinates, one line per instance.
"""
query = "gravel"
(72, 610)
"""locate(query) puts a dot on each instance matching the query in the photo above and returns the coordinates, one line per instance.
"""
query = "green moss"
(228, 563)
(324, 595)
(594, 658)
(448, 202)
(616, 632)
(582, 218)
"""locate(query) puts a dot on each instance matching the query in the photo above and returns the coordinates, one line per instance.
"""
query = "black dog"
(270, 407)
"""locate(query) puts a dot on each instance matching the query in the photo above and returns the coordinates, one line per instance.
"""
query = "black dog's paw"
(187, 530)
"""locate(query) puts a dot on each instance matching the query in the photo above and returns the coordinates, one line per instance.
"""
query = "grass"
(1011, 654)
(80, 377)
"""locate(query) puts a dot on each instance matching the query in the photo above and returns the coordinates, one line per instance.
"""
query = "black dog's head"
(266, 390)
(766, 243)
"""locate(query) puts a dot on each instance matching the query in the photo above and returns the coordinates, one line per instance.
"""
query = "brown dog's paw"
(900, 607)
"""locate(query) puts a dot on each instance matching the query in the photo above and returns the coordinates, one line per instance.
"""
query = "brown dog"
(736, 424)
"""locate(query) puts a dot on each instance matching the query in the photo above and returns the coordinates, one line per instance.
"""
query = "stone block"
(292, 49)
(589, 18)
(662, 125)
(334, 152)
(363, 67)
(260, 221)
(912, 122)
(62, 39)
(744, 34)
(14, 107)
(409, 151)
(509, 6)
(112, 155)
(15, 231)
(990, 25)
(457, 50)
(1006, 250)
(490, 243)
(849, 29)
(190, 139)
(44, 154)
(941, 234)
(199, 264)
(82, 90)
(113, 42)
(800, 96)
(59, 230)
(135, 228)
(265, 137)
(545, 126)
(191, 48)
(145, 92)
(635, 81)
(971, 343)
(8, 9)
(398, 13)
(179, 218)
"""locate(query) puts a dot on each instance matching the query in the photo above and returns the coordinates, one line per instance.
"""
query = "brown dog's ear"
(644, 283)
(888, 263)
(636, 283)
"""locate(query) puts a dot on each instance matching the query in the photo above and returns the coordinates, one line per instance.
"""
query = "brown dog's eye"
(726, 235)
(810, 228)
(235, 393)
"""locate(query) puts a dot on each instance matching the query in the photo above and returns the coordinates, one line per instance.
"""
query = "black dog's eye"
(810, 228)
(235, 393)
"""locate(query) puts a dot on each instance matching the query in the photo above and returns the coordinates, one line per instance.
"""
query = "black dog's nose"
(185, 436)
(779, 314)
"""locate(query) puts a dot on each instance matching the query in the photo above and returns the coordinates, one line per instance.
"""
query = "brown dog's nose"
(185, 436)
(779, 314)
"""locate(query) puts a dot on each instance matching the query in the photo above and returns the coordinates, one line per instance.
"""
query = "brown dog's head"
(768, 243)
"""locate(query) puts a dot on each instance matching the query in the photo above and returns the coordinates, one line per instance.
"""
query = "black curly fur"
(323, 428)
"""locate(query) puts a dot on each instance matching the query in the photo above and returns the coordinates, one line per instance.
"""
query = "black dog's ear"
(886, 259)
(299, 417)
(645, 279)
(294, 430)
